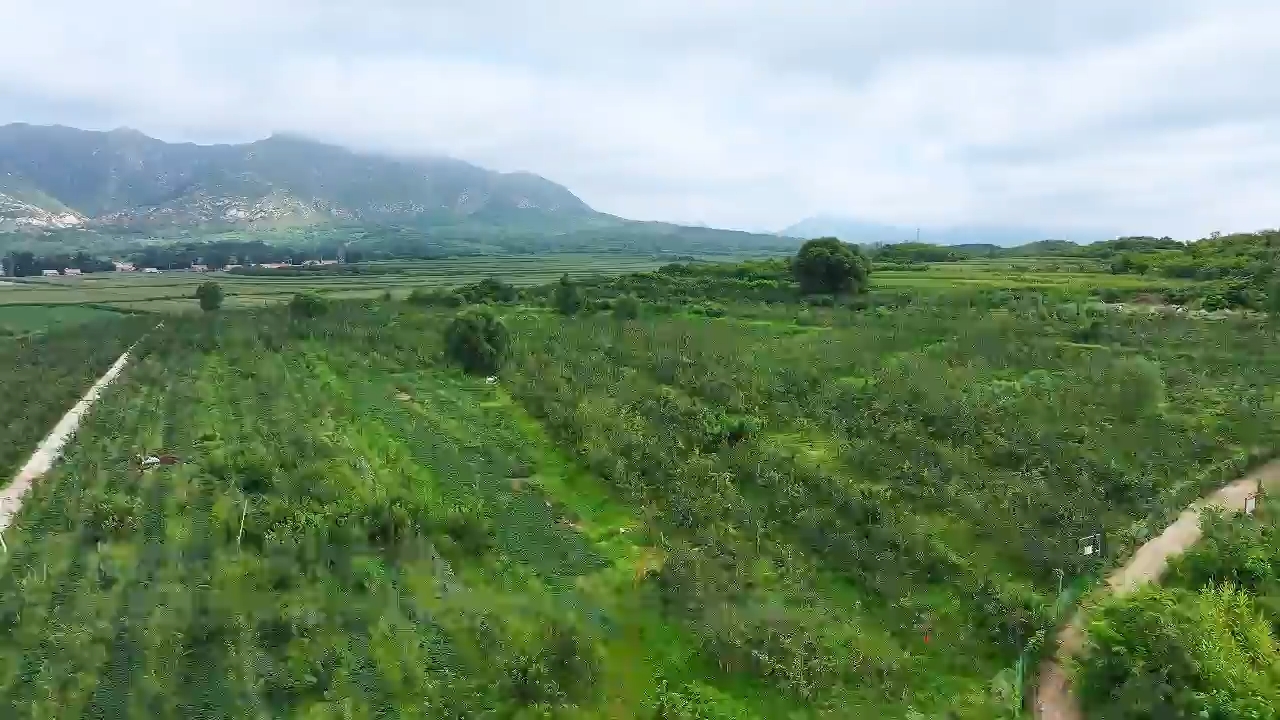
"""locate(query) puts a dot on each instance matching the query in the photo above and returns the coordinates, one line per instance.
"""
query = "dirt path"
(48, 451)
(1054, 699)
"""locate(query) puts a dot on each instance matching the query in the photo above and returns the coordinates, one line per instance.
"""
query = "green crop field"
(173, 291)
(44, 374)
(20, 319)
(691, 493)
(747, 511)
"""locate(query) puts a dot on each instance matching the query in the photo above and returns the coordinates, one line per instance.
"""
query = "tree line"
(24, 264)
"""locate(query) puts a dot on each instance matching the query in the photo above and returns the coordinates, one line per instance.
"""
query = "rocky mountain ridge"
(123, 179)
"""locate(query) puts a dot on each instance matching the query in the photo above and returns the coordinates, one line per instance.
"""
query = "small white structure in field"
(199, 268)
(125, 266)
(1091, 545)
(49, 273)
(492, 379)
(154, 271)
(71, 271)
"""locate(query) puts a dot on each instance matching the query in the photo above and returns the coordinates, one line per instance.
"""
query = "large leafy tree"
(210, 296)
(826, 265)
(477, 340)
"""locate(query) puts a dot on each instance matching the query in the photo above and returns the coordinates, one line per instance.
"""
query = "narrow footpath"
(1054, 699)
(50, 449)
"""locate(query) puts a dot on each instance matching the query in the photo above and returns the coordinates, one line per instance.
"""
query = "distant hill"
(124, 178)
(56, 179)
(867, 233)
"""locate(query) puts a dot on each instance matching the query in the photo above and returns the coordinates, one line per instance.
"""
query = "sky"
(1153, 117)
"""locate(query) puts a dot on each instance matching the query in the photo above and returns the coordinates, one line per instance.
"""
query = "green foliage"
(308, 305)
(209, 294)
(1213, 302)
(697, 701)
(826, 265)
(477, 340)
(489, 290)
(567, 298)
(47, 373)
(1241, 551)
(1205, 646)
(436, 298)
(25, 263)
(1273, 297)
(1176, 653)
(910, 253)
(731, 516)
(1242, 264)
(626, 307)
(1138, 384)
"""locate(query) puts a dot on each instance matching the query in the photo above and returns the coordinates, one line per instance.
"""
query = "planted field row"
(343, 530)
(868, 516)
(45, 374)
(870, 451)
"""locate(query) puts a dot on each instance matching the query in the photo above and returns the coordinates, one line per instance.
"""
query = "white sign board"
(1250, 504)
(1090, 545)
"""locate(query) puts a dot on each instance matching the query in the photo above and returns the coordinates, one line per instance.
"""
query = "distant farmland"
(173, 291)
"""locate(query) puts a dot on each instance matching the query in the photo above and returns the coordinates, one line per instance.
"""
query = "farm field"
(864, 514)
(173, 291)
(998, 276)
(45, 374)
(23, 319)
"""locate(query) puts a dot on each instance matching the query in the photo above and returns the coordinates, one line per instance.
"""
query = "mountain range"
(72, 187)
(868, 233)
(63, 177)
(67, 184)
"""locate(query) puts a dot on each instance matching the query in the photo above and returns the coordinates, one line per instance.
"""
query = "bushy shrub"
(1213, 302)
(626, 307)
(308, 305)
(567, 298)
(489, 290)
(1181, 654)
(477, 340)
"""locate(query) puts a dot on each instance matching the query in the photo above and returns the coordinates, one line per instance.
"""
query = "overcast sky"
(1139, 116)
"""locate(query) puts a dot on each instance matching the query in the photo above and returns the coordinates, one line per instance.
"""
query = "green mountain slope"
(125, 179)
(63, 189)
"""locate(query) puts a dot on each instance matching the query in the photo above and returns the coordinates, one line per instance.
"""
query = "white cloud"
(1148, 116)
